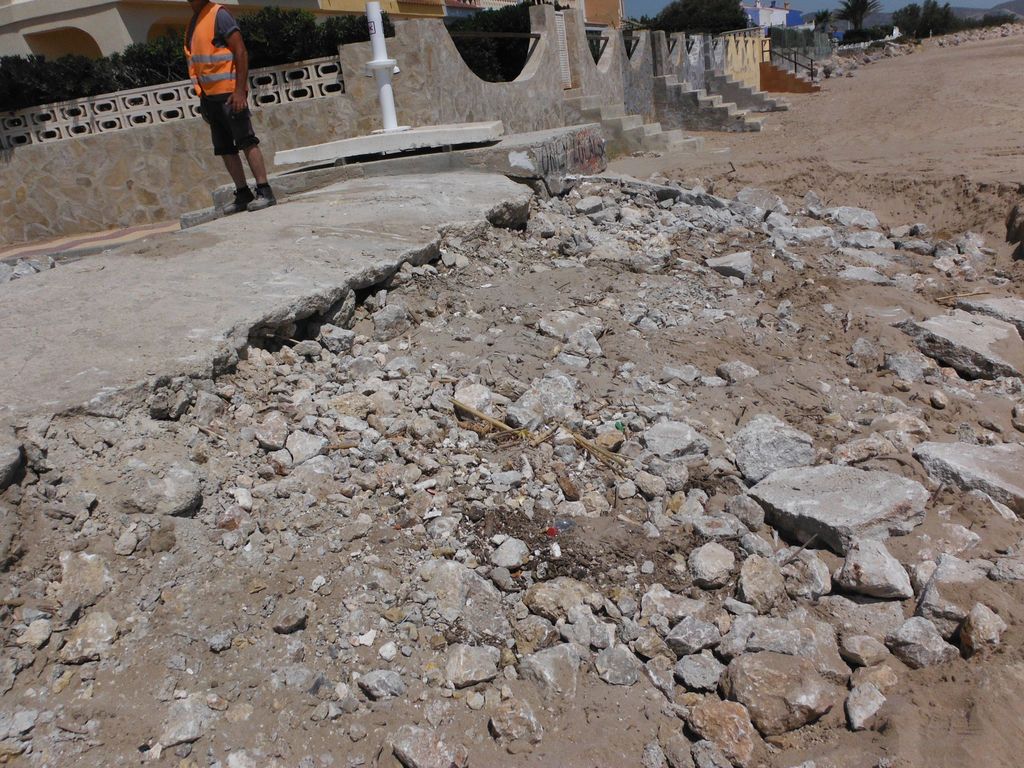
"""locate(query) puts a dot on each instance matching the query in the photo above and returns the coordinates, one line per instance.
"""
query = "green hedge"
(272, 35)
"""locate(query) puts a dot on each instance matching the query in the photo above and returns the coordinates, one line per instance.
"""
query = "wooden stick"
(543, 437)
(597, 450)
(210, 432)
(483, 416)
(961, 295)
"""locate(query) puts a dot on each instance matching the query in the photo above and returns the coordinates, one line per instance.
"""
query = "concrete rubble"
(698, 501)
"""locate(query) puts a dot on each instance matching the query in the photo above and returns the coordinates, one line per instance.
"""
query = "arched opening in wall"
(495, 45)
(67, 41)
(169, 27)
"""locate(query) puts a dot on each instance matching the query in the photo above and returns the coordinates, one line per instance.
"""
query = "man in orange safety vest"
(218, 64)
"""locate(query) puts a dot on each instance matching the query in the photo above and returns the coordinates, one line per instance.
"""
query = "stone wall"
(141, 175)
(637, 80)
(436, 87)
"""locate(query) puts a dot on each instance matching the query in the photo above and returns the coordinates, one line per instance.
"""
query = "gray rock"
(554, 599)
(978, 347)
(995, 470)
(692, 635)
(805, 574)
(11, 457)
(617, 666)
(272, 432)
(862, 704)
(676, 748)
(762, 198)
(337, 340)
(699, 672)
(466, 599)
(220, 641)
(653, 756)
(85, 578)
(803, 234)
(760, 584)
(551, 398)
(780, 692)
(909, 366)
(736, 371)
(292, 616)
(866, 240)
(1008, 309)
(917, 643)
(863, 650)
(746, 510)
(766, 444)
(308, 349)
(416, 747)
(303, 446)
(390, 322)
(475, 396)
(864, 354)
(874, 619)
(468, 665)
(658, 601)
(175, 491)
(382, 684)
(837, 504)
(511, 554)
(675, 440)
(555, 670)
(864, 275)
(982, 630)
(848, 216)
(563, 324)
(514, 720)
(739, 264)
(37, 634)
(707, 754)
(870, 570)
(588, 205)
(711, 565)
(185, 722)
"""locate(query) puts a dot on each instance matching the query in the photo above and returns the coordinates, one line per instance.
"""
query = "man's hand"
(238, 101)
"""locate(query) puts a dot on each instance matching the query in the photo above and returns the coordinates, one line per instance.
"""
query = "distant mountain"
(1014, 6)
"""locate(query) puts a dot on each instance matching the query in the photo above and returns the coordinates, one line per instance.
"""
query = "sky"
(637, 8)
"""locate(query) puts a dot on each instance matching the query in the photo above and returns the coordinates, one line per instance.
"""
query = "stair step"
(624, 123)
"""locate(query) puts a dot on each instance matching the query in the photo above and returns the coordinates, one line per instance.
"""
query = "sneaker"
(264, 199)
(241, 202)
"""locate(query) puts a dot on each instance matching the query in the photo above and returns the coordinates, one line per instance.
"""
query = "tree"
(278, 35)
(908, 19)
(926, 19)
(822, 19)
(855, 11)
(712, 16)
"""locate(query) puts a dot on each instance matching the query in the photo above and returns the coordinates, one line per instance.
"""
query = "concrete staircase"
(626, 134)
(679, 106)
(743, 96)
(777, 80)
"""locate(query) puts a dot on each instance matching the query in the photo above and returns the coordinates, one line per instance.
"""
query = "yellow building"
(100, 27)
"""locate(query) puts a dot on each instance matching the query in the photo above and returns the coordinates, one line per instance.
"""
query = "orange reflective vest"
(211, 67)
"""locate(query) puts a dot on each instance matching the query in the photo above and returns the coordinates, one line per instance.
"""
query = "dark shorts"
(230, 131)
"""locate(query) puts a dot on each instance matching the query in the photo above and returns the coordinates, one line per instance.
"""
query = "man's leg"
(254, 156)
(234, 165)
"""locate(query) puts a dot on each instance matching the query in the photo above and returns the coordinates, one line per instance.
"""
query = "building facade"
(97, 28)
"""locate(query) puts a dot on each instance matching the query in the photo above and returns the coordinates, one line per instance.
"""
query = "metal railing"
(597, 42)
(789, 60)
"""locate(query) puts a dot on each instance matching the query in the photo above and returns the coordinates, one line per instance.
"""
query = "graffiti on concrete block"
(581, 151)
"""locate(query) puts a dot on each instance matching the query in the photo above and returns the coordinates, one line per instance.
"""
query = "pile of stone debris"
(24, 268)
(974, 35)
(636, 485)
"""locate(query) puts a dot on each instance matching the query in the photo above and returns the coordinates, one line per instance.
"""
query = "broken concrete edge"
(116, 402)
(420, 137)
(541, 159)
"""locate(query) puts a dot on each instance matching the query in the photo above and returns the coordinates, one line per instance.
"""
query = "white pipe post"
(382, 68)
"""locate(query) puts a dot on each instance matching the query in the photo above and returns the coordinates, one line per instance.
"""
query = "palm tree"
(822, 19)
(855, 11)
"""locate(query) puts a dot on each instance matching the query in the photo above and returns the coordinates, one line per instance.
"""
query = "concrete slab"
(1008, 309)
(977, 346)
(547, 157)
(424, 137)
(997, 470)
(836, 505)
(100, 330)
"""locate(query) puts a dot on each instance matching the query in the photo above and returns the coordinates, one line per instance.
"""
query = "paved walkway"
(186, 302)
(74, 246)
